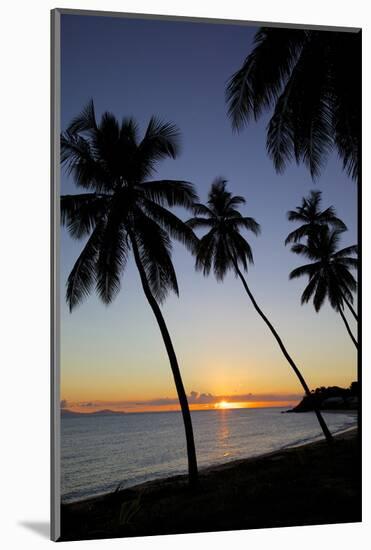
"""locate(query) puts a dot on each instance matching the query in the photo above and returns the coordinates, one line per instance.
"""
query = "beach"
(304, 485)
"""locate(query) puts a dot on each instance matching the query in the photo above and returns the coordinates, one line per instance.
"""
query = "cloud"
(194, 398)
(63, 404)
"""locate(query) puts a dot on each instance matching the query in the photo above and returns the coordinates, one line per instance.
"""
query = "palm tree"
(122, 212)
(311, 217)
(328, 273)
(311, 79)
(223, 248)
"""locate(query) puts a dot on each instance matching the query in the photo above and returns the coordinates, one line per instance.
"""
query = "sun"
(223, 405)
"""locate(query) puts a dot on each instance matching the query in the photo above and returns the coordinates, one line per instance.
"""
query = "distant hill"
(330, 398)
(103, 412)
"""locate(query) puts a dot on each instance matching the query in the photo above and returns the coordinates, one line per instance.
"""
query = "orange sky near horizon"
(220, 405)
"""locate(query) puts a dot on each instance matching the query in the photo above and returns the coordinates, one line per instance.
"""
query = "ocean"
(101, 452)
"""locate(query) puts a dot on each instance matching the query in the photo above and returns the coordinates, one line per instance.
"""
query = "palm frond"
(263, 74)
(308, 269)
(203, 210)
(347, 262)
(170, 192)
(329, 216)
(197, 223)
(347, 86)
(240, 249)
(280, 135)
(297, 234)
(320, 293)
(309, 290)
(155, 253)
(83, 274)
(234, 201)
(245, 222)
(112, 256)
(129, 132)
(173, 225)
(85, 121)
(344, 277)
(80, 162)
(81, 213)
(303, 249)
(107, 145)
(221, 259)
(300, 127)
(347, 250)
(161, 140)
(297, 216)
(206, 251)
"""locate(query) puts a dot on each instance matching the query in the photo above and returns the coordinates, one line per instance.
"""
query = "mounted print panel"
(206, 187)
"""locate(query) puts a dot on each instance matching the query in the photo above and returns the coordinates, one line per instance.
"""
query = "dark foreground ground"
(312, 484)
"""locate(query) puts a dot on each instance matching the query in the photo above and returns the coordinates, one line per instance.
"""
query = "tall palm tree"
(223, 248)
(328, 273)
(311, 217)
(123, 212)
(311, 79)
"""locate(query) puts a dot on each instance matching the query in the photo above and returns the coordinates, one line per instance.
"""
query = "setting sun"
(225, 405)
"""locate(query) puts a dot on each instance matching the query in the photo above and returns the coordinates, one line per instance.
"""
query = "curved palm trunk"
(348, 327)
(182, 396)
(320, 418)
(350, 307)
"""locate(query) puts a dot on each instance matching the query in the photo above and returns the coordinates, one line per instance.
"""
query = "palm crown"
(312, 218)
(329, 271)
(312, 80)
(223, 244)
(121, 207)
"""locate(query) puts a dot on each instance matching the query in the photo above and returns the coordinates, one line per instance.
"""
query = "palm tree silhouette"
(312, 81)
(328, 273)
(223, 248)
(311, 217)
(123, 212)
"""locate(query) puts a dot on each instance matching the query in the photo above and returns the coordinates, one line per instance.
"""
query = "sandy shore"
(311, 484)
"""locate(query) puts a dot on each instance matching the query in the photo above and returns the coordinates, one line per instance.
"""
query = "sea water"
(101, 452)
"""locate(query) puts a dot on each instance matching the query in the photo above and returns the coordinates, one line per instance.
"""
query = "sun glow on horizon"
(135, 406)
(226, 405)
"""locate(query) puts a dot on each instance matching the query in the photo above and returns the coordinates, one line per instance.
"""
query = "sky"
(114, 357)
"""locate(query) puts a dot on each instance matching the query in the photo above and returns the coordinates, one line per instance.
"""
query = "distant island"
(103, 412)
(330, 398)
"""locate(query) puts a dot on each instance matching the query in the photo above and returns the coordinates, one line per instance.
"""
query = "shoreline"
(306, 484)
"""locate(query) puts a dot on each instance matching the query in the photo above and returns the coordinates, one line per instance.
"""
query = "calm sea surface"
(101, 452)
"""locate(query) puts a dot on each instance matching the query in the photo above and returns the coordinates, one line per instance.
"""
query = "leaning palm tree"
(311, 79)
(223, 248)
(328, 273)
(311, 217)
(122, 212)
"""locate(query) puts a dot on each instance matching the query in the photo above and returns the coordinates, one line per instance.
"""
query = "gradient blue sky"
(178, 71)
